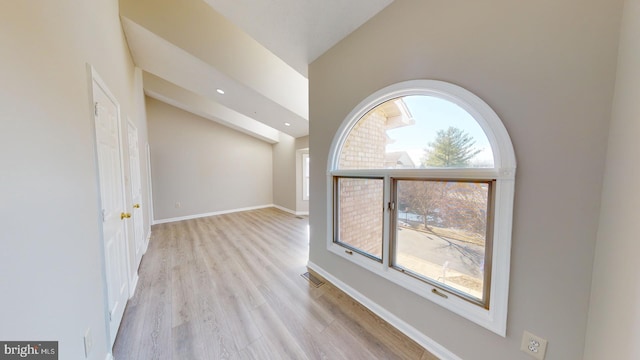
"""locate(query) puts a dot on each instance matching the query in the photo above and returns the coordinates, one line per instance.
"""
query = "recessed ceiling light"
(220, 91)
(287, 124)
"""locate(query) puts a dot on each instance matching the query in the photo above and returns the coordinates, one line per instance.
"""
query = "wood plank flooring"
(229, 287)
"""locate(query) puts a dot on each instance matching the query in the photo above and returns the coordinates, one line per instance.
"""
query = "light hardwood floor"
(229, 287)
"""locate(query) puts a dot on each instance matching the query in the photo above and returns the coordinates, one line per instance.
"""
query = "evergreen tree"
(452, 148)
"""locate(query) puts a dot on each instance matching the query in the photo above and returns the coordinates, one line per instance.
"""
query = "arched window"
(422, 195)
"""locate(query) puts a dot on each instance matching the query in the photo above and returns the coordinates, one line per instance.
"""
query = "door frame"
(95, 77)
(302, 205)
(136, 253)
(149, 191)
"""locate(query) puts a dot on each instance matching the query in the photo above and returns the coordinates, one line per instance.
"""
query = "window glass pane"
(441, 232)
(305, 164)
(360, 215)
(305, 189)
(416, 131)
(305, 176)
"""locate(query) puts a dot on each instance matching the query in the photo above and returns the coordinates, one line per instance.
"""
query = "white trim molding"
(133, 284)
(293, 212)
(222, 212)
(146, 243)
(426, 342)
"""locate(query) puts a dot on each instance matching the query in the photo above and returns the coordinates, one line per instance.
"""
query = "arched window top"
(423, 124)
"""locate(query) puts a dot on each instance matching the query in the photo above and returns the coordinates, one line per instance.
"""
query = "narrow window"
(305, 176)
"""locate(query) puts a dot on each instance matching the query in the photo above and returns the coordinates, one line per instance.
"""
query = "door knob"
(124, 216)
(136, 206)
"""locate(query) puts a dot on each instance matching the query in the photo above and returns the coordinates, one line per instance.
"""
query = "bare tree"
(422, 197)
(466, 207)
(450, 204)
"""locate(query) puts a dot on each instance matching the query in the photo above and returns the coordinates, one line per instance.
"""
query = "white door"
(114, 215)
(136, 192)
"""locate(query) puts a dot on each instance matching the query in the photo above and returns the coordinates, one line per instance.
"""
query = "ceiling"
(256, 51)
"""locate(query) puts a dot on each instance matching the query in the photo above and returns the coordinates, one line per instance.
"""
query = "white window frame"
(495, 317)
(305, 177)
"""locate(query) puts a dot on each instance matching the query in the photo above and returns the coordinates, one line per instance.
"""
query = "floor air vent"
(312, 279)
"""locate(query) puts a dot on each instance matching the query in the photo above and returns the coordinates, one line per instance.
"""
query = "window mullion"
(392, 230)
(386, 227)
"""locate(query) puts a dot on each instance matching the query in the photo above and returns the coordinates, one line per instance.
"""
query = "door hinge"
(95, 109)
(103, 215)
(391, 206)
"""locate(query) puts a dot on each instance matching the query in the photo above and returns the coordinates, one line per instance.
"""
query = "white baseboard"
(196, 216)
(425, 341)
(293, 212)
(133, 285)
(146, 243)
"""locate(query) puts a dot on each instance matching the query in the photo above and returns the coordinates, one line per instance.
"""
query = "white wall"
(614, 316)
(51, 262)
(203, 165)
(284, 173)
(548, 69)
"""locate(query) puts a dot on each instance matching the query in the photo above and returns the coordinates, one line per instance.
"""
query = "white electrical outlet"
(178, 205)
(533, 345)
(88, 342)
